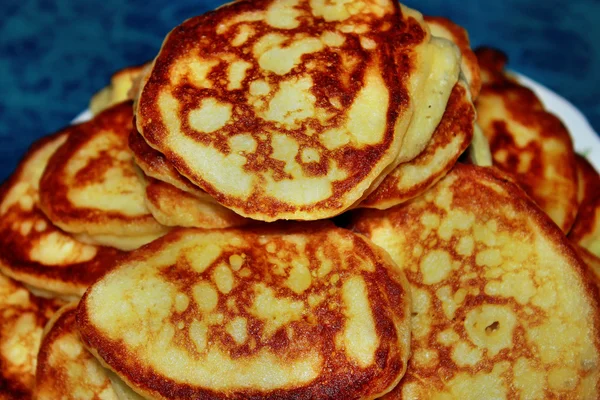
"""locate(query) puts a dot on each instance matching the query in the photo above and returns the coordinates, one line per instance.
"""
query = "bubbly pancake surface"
(451, 137)
(90, 185)
(501, 306)
(65, 369)
(294, 311)
(174, 207)
(23, 318)
(586, 229)
(285, 109)
(32, 249)
(527, 141)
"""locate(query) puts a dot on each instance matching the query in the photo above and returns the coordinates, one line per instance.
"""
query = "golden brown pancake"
(308, 102)
(586, 229)
(23, 317)
(502, 305)
(450, 139)
(90, 186)
(65, 369)
(32, 249)
(174, 207)
(284, 311)
(527, 141)
(445, 28)
(120, 89)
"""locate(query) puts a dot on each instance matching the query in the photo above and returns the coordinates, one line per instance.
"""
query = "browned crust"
(55, 188)
(18, 384)
(461, 38)
(587, 222)
(15, 248)
(340, 380)
(525, 108)
(479, 196)
(458, 119)
(394, 61)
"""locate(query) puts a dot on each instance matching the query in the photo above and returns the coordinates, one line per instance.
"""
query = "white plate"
(585, 139)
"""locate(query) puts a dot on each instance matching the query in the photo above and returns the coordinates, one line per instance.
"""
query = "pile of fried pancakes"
(306, 200)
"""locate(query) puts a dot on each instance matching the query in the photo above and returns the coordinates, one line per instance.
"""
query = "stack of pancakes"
(144, 254)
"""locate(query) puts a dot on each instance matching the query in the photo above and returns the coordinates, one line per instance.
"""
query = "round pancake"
(32, 249)
(90, 186)
(284, 311)
(120, 89)
(65, 369)
(23, 318)
(502, 306)
(450, 139)
(174, 207)
(445, 28)
(586, 229)
(527, 141)
(284, 109)
(156, 166)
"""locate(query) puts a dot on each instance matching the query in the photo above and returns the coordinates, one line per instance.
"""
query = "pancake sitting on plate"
(23, 318)
(450, 139)
(91, 188)
(34, 251)
(586, 229)
(65, 369)
(502, 306)
(527, 141)
(290, 109)
(120, 89)
(283, 311)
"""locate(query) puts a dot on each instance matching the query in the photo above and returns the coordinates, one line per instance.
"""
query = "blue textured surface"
(54, 54)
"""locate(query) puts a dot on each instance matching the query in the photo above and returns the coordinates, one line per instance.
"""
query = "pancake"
(23, 318)
(452, 136)
(308, 101)
(119, 89)
(445, 28)
(65, 369)
(32, 249)
(502, 305)
(172, 199)
(156, 166)
(527, 141)
(90, 186)
(284, 311)
(174, 207)
(586, 229)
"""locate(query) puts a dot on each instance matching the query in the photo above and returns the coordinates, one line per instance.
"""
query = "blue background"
(55, 54)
